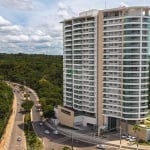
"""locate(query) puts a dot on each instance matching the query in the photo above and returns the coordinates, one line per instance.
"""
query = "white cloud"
(64, 11)
(63, 14)
(4, 21)
(10, 28)
(39, 32)
(122, 4)
(18, 4)
(33, 26)
(62, 5)
(83, 5)
(18, 39)
(37, 38)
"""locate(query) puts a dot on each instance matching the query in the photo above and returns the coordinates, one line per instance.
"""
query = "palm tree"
(137, 128)
(66, 148)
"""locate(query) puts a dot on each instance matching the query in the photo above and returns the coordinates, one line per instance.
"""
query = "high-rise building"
(80, 64)
(105, 65)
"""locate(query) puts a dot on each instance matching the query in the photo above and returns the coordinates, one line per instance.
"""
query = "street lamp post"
(71, 141)
(120, 137)
(120, 134)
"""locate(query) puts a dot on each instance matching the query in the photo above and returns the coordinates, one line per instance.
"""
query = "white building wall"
(84, 120)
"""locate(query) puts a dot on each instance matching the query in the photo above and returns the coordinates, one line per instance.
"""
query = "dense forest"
(43, 73)
(6, 99)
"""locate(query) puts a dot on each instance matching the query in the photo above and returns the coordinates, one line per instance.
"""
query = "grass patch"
(143, 142)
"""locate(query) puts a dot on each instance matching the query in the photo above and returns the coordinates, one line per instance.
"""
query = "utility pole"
(120, 134)
(71, 141)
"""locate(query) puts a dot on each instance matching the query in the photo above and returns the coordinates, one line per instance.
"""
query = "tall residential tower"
(105, 65)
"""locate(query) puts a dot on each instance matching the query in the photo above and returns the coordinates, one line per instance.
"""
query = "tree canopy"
(43, 73)
(27, 105)
(6, 99)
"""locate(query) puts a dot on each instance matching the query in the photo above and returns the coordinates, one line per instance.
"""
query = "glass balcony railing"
(128, 26)
(131, 63)
(131, 99)
(132, 45)
(134, 51)
(132, 32)
(129, 104)
(130, 92)
(131, 75)
(131, 87)
(131, 19)
(131, 116)
(130, 68)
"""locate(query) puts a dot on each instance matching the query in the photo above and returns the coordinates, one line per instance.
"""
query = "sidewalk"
(125, 144)
(95, 139)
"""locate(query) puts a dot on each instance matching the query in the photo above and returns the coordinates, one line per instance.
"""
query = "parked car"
(132, 140)
(41, 123)
(100, 146)
(127, 138)
(55, 132)
(133, 137)
(46, 132)
(123, 136)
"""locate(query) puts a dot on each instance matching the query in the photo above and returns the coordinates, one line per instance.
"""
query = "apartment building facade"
(80, 64)
(105, 65)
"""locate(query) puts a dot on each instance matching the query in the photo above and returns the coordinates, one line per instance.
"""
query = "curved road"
(52, 140)
(49, 140)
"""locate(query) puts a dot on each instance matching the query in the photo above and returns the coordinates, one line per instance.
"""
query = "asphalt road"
(18, 126)
(39, 129)
(52, 140)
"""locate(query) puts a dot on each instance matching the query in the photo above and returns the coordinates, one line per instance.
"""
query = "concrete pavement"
(95, 140)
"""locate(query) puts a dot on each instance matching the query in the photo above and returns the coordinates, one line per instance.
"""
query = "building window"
(66, 112)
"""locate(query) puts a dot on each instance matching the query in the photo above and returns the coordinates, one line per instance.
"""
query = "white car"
(46, 132)
(41, 123)
(55, 132)
(127, 139)
(133, 137)
(123, 136)
(132, 140)
(100, 146)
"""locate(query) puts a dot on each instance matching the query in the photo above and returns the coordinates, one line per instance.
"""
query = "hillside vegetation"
(6, 99)
(40, 72)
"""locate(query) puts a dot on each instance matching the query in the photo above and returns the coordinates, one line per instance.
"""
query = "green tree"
(48, 111)
(45, 76)
(1, 77)
(66, 148)
(6, 99)
(27, 105)
(137, 129)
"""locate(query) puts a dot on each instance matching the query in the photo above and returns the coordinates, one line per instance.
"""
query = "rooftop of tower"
(94, 12)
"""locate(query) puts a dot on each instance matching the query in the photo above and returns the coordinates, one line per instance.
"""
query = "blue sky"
(33, 26)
